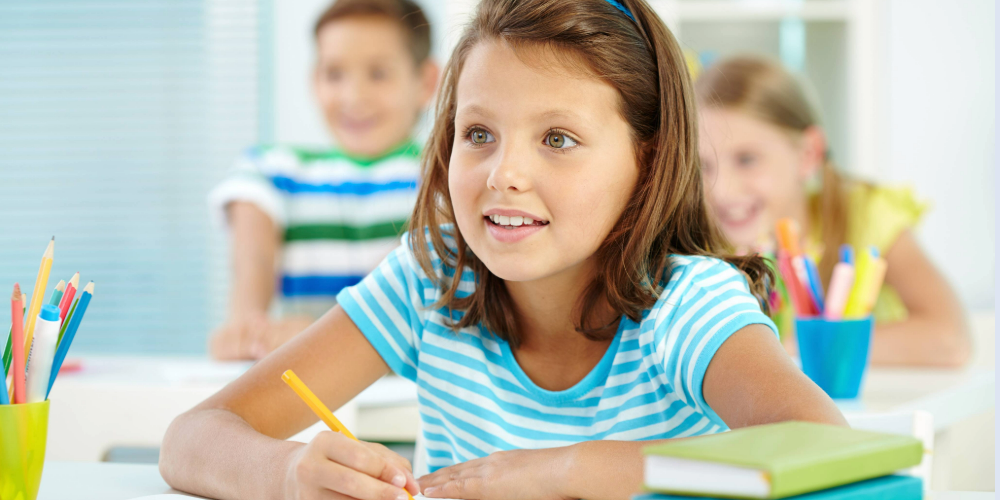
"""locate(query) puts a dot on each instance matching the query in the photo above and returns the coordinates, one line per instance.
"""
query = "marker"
(841, 282)
(847, 254)
(815, 282)
(862, 273)
(42, 350)
(874, 285)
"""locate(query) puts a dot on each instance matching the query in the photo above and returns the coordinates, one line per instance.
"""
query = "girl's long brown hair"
(764, 90)
(666, 213)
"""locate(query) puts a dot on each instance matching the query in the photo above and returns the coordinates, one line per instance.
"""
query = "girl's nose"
(511, 173)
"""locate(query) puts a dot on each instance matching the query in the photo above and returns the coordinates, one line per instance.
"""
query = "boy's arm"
(750, 381)
(934, 333)
(232, 445)
(255, 244)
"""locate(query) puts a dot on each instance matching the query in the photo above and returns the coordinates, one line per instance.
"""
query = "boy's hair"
(666, 212)
(763, 89)
(408, 14)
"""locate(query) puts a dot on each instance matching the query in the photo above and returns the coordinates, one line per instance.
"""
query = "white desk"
(130, 401)
(101, 481)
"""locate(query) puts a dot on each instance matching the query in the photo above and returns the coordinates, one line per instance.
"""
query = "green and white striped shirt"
(340, 215)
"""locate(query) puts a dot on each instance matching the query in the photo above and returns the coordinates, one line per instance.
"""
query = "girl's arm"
(232, 446)
(934, 333)
(255, 243)
(750, 381)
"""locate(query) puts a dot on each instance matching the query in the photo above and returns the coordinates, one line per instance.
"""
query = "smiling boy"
(308, 222)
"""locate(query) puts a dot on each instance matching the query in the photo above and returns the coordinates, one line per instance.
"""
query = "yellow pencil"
(317, 406)
(38, 293)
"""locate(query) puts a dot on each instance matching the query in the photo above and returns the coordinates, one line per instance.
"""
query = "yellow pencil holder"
(23, 432)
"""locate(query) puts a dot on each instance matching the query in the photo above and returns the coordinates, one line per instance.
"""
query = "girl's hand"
(334, 466)
(515, 474)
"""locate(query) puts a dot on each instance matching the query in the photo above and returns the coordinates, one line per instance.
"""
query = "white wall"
(942, 127)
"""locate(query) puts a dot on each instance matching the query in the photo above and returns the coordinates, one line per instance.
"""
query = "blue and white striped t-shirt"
(474, 399)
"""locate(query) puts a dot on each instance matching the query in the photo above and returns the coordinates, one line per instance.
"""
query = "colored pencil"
(38, 293)
(17, 332)
(57, 294)
(66, 340)
(8, 352)
(67, 299)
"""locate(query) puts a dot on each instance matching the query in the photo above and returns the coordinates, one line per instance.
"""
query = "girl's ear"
(813, 151)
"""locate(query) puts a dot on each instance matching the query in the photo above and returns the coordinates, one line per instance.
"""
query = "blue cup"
(834, 353)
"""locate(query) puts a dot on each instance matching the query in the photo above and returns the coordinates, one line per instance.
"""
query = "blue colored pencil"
(74, 324)
(815, 285)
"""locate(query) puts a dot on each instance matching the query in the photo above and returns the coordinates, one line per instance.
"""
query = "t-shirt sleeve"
(881, 214)
(388, 307)
(246, 181)
(705, 302)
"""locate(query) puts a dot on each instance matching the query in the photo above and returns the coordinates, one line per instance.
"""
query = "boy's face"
(367, 84)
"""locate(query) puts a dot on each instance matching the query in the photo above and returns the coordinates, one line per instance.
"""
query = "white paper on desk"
(171, 496)
(180, 497)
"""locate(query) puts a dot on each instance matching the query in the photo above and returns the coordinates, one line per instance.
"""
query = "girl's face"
(542, 164)
(754, 173)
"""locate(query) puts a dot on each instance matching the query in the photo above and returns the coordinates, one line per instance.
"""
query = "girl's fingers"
(351, 483)
(465, 487)
(355, 455)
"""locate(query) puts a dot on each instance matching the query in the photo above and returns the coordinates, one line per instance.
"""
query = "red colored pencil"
(17, 331)
(67, 298)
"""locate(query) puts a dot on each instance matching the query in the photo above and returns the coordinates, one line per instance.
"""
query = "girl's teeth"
(528, 221)
(504, 220)
(516, 220)
(495, 218)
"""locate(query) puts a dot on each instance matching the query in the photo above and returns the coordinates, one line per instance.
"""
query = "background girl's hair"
(666, 212)
(763, 89)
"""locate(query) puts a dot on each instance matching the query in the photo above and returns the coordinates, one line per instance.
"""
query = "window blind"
(116, 119)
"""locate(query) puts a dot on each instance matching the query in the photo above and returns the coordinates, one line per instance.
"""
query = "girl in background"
(765, 158)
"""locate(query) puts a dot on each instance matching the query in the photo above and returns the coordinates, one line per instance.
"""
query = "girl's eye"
(559, 140)
(745, 159)
(480, 136)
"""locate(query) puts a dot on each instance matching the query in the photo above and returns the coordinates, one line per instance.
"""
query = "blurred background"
(118, 116)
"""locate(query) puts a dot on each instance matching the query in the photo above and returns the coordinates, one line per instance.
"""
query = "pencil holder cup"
(23, 431)
(834, 353)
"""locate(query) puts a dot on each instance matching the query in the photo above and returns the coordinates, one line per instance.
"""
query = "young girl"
(762, 150)
(558, 302)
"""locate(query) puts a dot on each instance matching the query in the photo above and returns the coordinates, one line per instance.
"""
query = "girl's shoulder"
(690, 277)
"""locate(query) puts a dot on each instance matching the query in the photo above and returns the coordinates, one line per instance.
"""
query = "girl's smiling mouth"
(510, 226)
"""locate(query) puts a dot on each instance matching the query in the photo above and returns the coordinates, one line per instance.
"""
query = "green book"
(776, 460)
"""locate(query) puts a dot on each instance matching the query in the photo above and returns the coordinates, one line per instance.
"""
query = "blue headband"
(618, 5)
